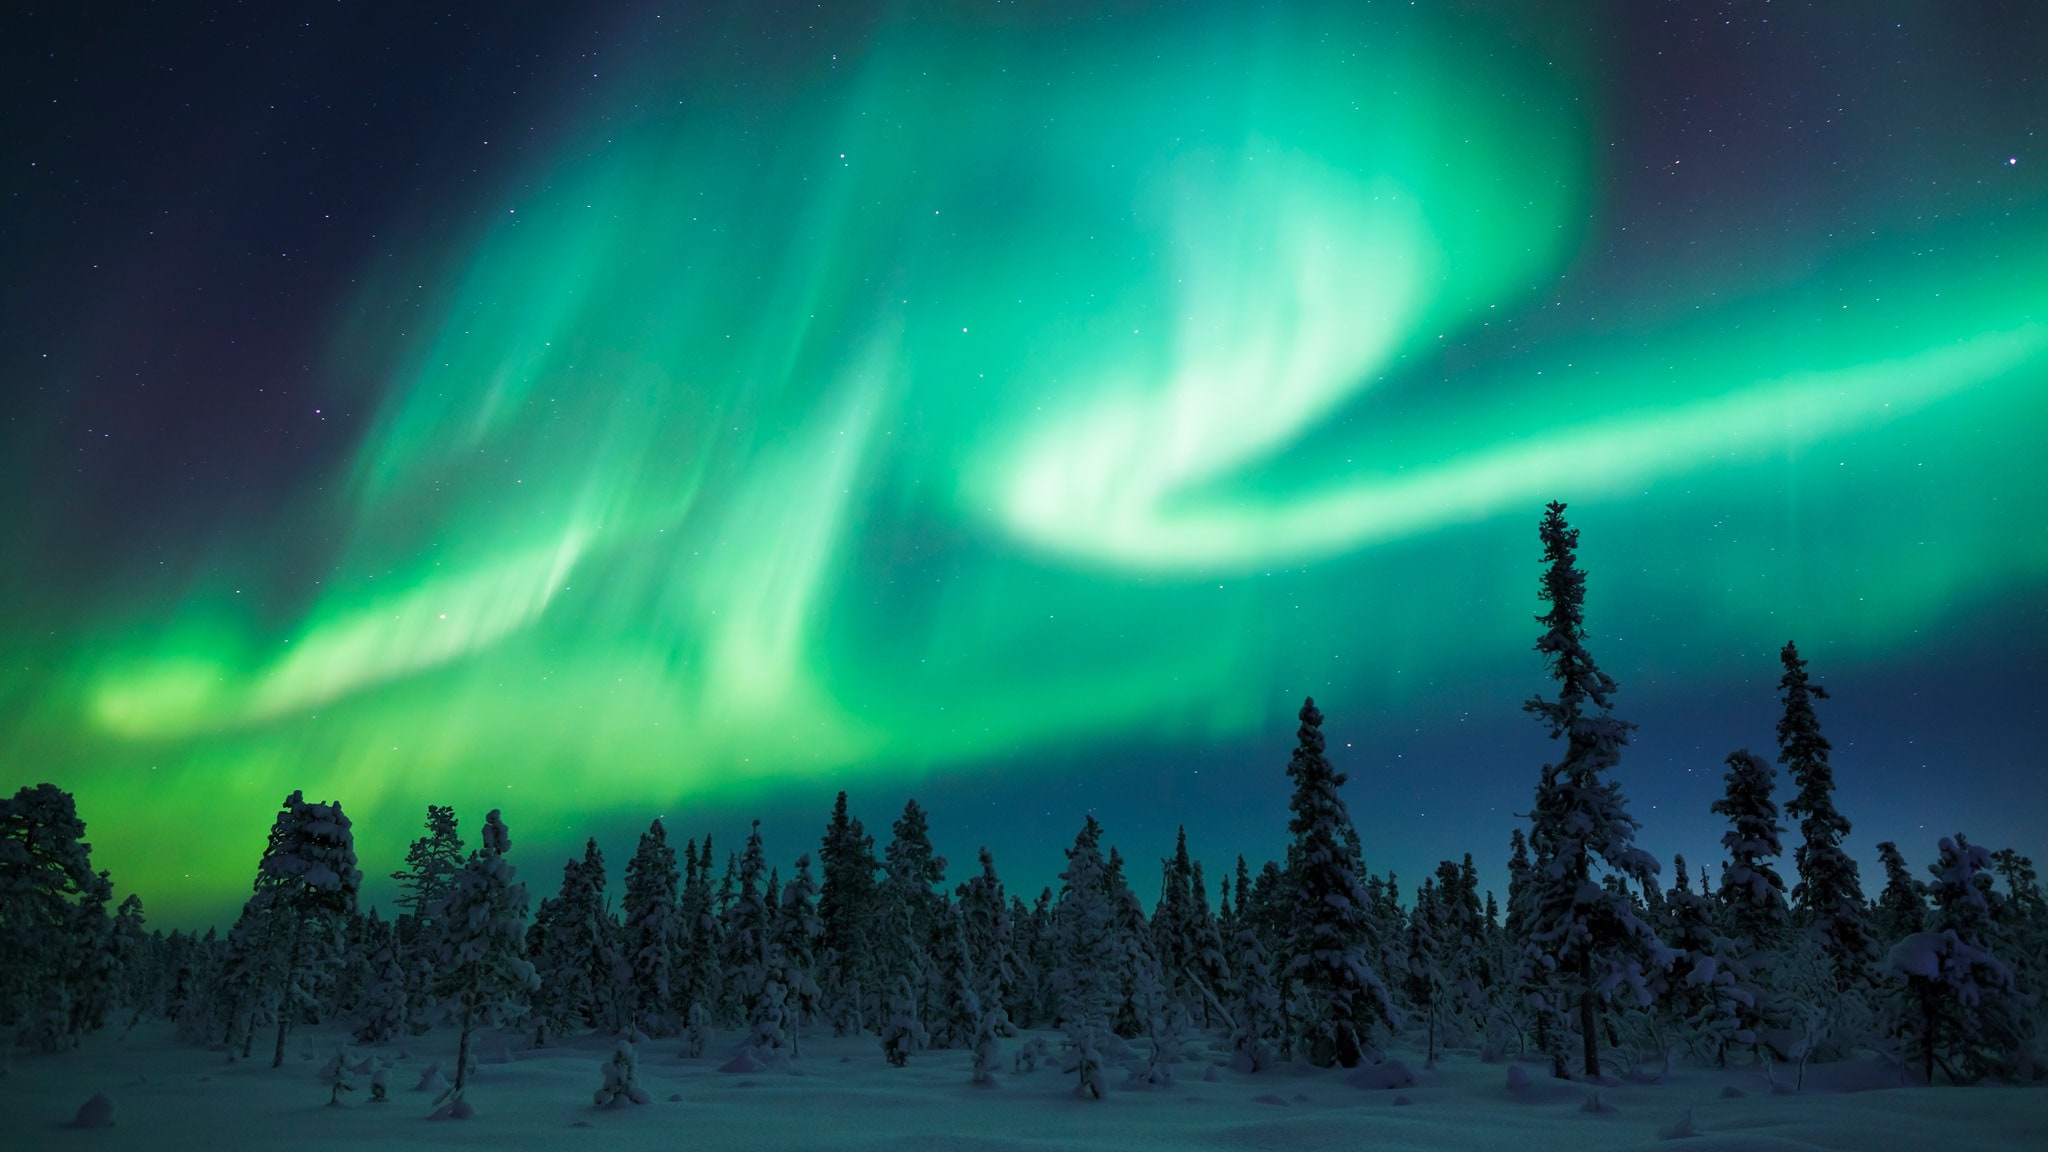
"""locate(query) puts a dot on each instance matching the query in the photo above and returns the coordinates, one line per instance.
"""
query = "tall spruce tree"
(305, 891)
(846, 909)
(1753, 911)
(430, 866)
(1330, 941)
(1902, 905)
(1752, 893)
(990, 934)
(52, 905)
(650, 929)
(1828, 895)
(1959, 1010)
(1087, 959)
(482, 975)
(1587, 943)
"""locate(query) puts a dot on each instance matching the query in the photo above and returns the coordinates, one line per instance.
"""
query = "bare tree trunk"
(1928, 1018)
(462, 1053)
(284, 996)
(1590, 1037)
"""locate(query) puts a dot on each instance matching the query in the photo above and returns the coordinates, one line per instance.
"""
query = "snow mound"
(97, 1112)
(1731, 1092)
(454, 1110)
(1270, 1098)
(743, 1062)
(1212, 1074)
(1679, 1131)
(1596, 1106)
(1518, 1077)
(431, 1080)
(1390, 1074)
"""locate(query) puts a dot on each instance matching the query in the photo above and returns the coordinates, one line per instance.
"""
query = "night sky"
(608, 410)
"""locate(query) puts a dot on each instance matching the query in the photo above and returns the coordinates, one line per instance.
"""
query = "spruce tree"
(1208, 972)
(305, 890)
(1425, 981)
(1902, 905)
(52, 909)
(1587, 944)
(797, 933)
(383, 1013)
(1959, 1009)
(1329, 941)
(749, 944)
(650, 928)
(702, 977)
(1088, 959)
(482, 975)
(990, 933)
(430, 866)
(913, 905)
(1753, 911)
(846, 910)
(1828, 895)
(1752, 893)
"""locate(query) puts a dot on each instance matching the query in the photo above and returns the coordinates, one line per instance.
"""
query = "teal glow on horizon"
(999, 388)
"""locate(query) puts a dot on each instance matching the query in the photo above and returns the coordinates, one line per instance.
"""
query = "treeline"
(1592, 960)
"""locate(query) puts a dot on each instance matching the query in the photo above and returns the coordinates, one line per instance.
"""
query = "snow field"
(841, 1094)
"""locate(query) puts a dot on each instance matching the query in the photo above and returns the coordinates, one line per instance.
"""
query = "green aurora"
(1006, 386)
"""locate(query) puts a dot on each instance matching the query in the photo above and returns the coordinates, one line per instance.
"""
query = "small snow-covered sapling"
(621, 1078)
(339, 1076)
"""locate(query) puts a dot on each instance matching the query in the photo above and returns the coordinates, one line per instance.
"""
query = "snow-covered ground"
(842, 1095)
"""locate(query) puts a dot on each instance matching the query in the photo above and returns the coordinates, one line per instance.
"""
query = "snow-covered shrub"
(905, 1032)
(621, 1078)
(988, 1044)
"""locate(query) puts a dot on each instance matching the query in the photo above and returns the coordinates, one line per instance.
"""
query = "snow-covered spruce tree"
(912, 907)
(1957, 1008)
(797, 932)
(1902, 906)
(956, 1006)
(1172, 921)
(903, 1030)
(989, 1029)
(1329, 940)
(701, 976)
(1753, 910)
(1698, 997)
(750, 963)
(1588, 944)
(1425, 981)
(846, 911)
(1828, 897)
(382, 1013)
(305, 889)
(1468, 962)
(574, 952)
(2021, 919)
(1134, 960)
(430, 866)
(621, 1078)
(1254, 1003)
(480, 972)
(52, 913)
(1087, 959)
(1037, 999)
(1208, 973)
(650, 928)
(990, 932)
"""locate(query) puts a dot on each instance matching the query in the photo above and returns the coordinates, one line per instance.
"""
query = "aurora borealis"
(676, 410)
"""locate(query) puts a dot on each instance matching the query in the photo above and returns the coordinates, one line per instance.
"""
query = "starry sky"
(615, 410)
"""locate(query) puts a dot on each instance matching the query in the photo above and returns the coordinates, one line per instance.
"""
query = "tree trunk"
(462, 1054)
(284, 998)
(1927, 1019)
(1586, 1023)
